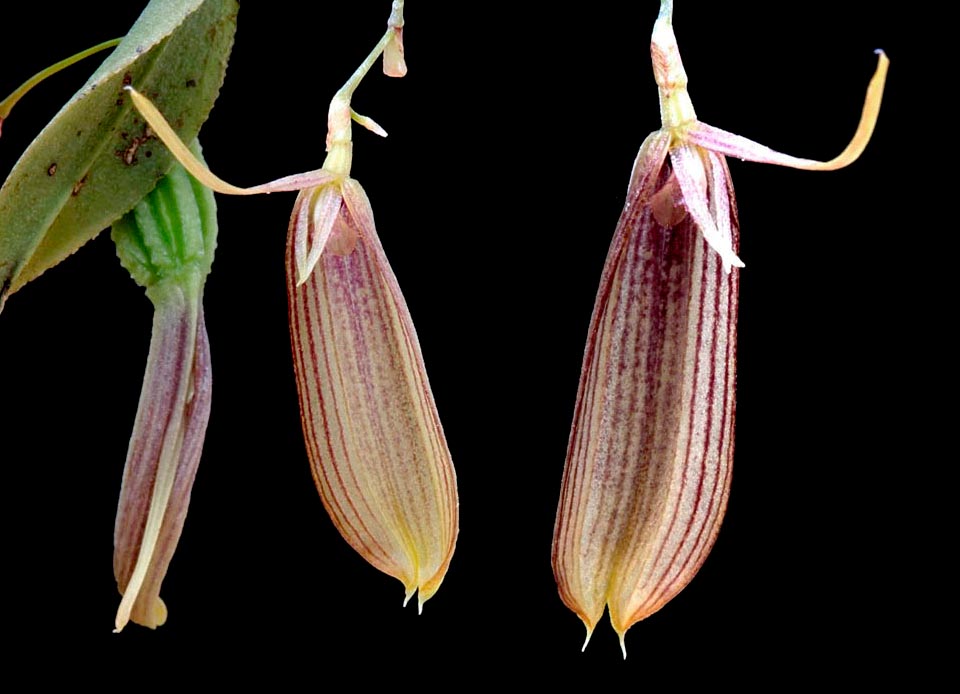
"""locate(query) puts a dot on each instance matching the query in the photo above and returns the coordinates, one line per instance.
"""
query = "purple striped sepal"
(648, 464)
(647, 474)
(373, 435)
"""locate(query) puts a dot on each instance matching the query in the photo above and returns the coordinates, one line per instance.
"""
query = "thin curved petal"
(374, 439)
(732, 145)
(324, 208)
(688, 165)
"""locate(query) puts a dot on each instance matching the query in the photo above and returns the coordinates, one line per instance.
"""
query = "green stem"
(340, 115)
(7, 104)
(666, 11)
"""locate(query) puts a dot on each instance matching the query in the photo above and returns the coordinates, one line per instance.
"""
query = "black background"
(498, 189)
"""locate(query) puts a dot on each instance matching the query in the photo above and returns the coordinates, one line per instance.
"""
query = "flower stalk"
(166, 243)
(648, 468)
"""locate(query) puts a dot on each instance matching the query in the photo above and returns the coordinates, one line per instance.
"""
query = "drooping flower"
(647, 474)
(166, 243)
(379, 456)
(377, 450)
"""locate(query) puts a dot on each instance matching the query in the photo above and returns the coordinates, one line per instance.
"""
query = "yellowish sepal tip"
(302, 277)
(586, 641)
(868, 119)
(159, 617)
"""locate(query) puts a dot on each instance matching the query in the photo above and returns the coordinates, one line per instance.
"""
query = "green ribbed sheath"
(171, 233)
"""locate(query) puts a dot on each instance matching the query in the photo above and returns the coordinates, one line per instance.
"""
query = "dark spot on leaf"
(148, 154)
(52, 169)
(127, 79)
(191, 83)
(129, 154)
(78, 186)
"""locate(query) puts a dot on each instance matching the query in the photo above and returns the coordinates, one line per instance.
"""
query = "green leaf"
(97, 158)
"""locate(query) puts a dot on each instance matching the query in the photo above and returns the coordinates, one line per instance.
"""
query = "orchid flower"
(166, 243)
(373, 435)
(647, 474)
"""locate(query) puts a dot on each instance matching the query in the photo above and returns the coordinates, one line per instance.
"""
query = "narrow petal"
(732, 145)
(200, 171)
(688, 165)
(374, 439)
(648, 464)
(323, 210)
(720, 200)
(299, 228)
(163, 456)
